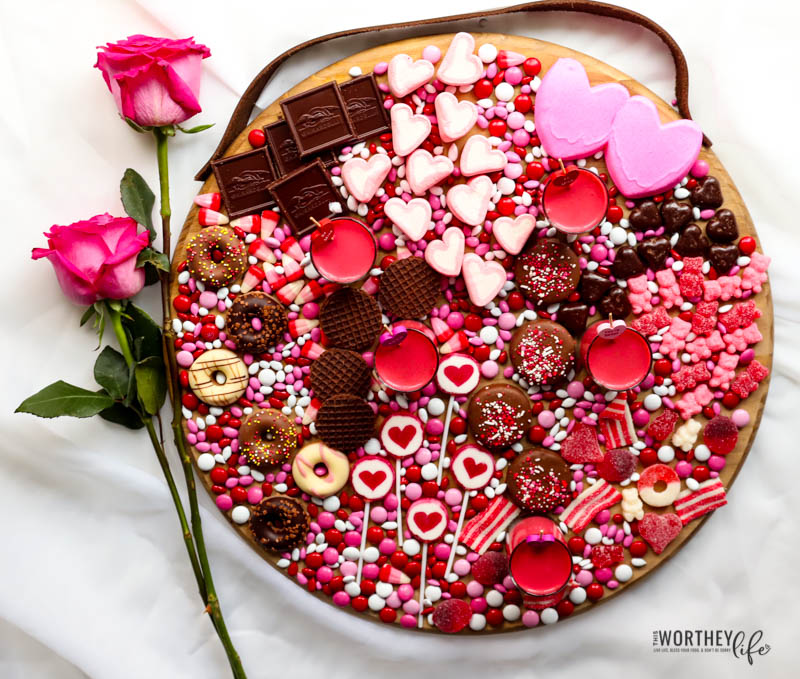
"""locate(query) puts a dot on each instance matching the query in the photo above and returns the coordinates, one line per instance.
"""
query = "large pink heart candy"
(478, 157)
(424, 170)
(470, 202)
(412, 218)
(363, 178)
(460, 66)
(512, 234)
(455, 118)
(409, 130)
(445, 255)
(406, 75)
(483, 279)
(572, 119)
(645, 157)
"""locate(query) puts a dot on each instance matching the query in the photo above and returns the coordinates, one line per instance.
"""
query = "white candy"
(577, 596)
(205, 462)
(435, 407)
(593, 535)
(240, 514)
(487, 52)
(494, 598)
(375, 603)
(618, 235)
(702, 453)
(549, 616)
(652, 402)
(489, 334)
(330, 504)
(384, 589)
(511, 612)
(429, 471)
(433, 593)
(353, 589)
(410, 547)
(504, 91)
(372, 447)
(266, 377)
(371, 554)
(351, 553)
(477, 622)
(623, 572)
(666, 454)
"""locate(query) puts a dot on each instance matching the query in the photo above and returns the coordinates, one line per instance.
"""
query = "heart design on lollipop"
(473, 466)
(401, 434)
(372, 477)
(427, 519)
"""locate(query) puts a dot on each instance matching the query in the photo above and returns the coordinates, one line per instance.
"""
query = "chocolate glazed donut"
(256, 322)
(279, 523)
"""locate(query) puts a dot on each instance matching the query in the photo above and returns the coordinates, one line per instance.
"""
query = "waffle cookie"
(339, 371)
(345, 422)
(408, 288)
(350, 319)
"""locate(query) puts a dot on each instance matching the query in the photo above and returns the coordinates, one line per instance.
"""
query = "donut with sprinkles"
(216, 256)
(538, 481)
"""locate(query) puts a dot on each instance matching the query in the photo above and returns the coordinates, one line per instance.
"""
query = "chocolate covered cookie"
(548, 272)
(499, 415)
(538, 481)
(542, 352)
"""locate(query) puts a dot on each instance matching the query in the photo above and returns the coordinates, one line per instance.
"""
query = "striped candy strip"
(589, 503)
(616, 425)
(479, 532)
(691, 505)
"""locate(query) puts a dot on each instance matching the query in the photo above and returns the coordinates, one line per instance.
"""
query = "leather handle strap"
(243, 110)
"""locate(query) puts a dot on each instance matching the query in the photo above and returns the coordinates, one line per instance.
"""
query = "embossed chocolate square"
(243, 182)
(285, 155)
(318, 119)
(305, 194)
(365, 106)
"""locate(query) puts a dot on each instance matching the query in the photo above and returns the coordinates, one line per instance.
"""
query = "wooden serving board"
(598, 72)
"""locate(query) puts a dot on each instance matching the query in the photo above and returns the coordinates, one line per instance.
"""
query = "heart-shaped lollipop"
(372, 477)
(427, 519)
(611, 329)
(458, 374)
(401, 434)
(472, 466)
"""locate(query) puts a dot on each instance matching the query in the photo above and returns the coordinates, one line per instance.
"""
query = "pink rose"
(96, 259)
(155, 81)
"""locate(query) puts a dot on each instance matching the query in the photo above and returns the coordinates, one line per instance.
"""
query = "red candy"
(580, 447)
(490, 568)
(606, 555)
(721, 435)
(662, 427)
(257, 138)
(617, 465)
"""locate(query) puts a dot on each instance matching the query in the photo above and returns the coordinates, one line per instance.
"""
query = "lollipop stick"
(422, 582)
(443, 450)
(363, 542)
(456, 534)
(399, 508)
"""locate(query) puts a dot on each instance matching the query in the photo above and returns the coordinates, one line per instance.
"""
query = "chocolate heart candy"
(627, 263)
(707, 193)
(573, 315)
(654, 251)
(722, 227)
(692, 242)
(615, 303)
(723, 256)
(593, 286)
(675, 215)
(645, 217)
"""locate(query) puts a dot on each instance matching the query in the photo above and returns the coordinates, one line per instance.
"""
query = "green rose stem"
(162, 137)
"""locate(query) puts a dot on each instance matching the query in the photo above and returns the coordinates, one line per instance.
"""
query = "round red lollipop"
(372, 477)
(401, 434)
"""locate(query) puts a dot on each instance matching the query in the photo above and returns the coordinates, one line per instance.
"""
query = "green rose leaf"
(151, 383)
(153, 261)
(87, 315)
(136, 126)
(60, 399)
(120, 414)
(143, 332)
(195, 130)
(111, 372)
(138, 199)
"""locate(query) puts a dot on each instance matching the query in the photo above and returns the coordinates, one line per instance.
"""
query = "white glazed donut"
(335, 474)
(218, 377)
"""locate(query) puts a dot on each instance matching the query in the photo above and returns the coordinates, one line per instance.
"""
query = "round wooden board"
(598, 72)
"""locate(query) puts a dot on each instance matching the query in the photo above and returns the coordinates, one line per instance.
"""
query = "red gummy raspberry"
(490, 568)
(452, 615)
(720, 435)
(617, 465)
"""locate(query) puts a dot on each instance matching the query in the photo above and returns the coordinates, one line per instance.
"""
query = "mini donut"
(499, 415)
(256, 322)
(267, 437)
(548, 272)
(218, 377)
(650, 482)
(542, 352)
(216, 256)
(320, 471)
(538, 481)
(279, 523)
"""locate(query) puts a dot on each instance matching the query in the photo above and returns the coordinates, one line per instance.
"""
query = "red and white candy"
(458, 374)
(372, 477)
(472, 466)
(427, 519)
(658, 475)
(401, 434)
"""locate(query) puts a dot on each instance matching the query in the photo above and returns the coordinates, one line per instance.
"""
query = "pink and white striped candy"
(208, 217)
(458, 374)
(209, 200)
(427, 519)
(592, 500)
(401, 434)
(692, 504)
(372, 477)
(472, 466)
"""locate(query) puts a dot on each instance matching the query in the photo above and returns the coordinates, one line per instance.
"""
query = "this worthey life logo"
(738, 643)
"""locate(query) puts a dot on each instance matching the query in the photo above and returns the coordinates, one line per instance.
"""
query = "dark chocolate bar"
(243, 182)
(318, 119)
(283, 147)
(365, 106)
(305, 194)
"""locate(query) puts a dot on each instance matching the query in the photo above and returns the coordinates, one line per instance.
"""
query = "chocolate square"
(283, 147)
(244, 180)
(304, 195)
(318, 119)
(365, 106)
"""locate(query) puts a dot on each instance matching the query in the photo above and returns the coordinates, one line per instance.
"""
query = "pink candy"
(668, 289)
(639, 294)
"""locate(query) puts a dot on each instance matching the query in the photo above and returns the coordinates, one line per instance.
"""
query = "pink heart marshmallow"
(460, 66)
(406, 75)
(456, 118)
(470, 202)
(363, 178)
(412, 218)
(478, 157)
(409, 130)
(446, 255)
(512, 234)
(423, 170)
(483, 279)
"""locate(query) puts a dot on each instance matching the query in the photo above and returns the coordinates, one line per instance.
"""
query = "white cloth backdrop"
(94, 580)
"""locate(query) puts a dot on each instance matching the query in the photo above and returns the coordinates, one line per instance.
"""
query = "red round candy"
(494, 616)
(614, 214)
(458, 589)
(314, 560)
(534, 170)
(257, 138)
(648, 456)
(374, 534)
(565, 608)
(182, 303)
(532, 66)
(662, 367)
(483, 88)
(747, 245)
(638, 548)
(523, 103)
(360, 603)
(452, 615)
(576, 545)
(701, 473)
(506, 206)
(497, 127)
(594, 591)
(387, 614)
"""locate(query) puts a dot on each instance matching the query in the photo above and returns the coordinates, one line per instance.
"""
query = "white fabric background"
(94, 580)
